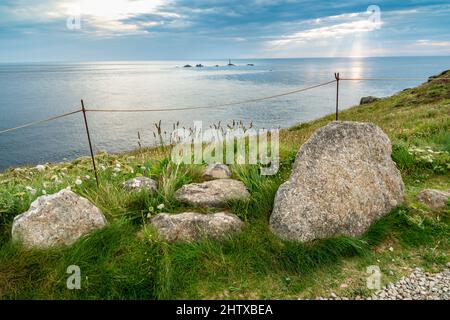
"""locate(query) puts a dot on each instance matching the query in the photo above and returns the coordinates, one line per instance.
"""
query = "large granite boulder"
(217, 171)
(140, 183)
(343, 180)
(435, 199)
(57, 219)
(213, 194)
(192, 226)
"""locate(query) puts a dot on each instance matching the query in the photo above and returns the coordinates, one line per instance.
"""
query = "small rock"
(435, 199)
(57, 219)
(139, 184)
(215, 193)
(369, 99)
(217, 171)
(192, 226)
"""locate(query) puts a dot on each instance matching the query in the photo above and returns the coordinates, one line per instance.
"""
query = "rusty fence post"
(90, 143)
(336, 76)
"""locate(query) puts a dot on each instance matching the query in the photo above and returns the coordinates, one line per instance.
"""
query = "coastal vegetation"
(128, 260)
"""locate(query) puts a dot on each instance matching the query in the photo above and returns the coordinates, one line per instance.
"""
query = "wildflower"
(78, 181)
(102, 167)
(160, 206)
(40, 168)
(69, 188)
(87, 177)
(31, 190)
(116, 169)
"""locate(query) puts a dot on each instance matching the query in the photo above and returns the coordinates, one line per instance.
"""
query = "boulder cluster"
(342, 181)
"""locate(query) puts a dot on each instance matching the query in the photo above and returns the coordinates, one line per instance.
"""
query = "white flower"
(78, 181)
(30, 190)
(118, 165)
(160, 206)
(116, 169)
(102, 167)
(69, 188)
(40, 167)
(87, 177)
(44, 192)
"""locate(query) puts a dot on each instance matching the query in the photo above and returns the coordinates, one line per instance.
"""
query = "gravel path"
(418, 286)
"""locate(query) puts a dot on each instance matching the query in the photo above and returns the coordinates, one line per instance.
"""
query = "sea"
(34, 91)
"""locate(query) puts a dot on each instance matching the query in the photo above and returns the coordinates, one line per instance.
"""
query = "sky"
(94, 30)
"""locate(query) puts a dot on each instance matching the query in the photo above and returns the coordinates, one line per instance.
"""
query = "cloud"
(433, 43)
(333, 31)
(358, 34)
(252, 28)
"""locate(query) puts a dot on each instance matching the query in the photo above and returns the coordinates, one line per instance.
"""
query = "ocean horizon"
(35, 91)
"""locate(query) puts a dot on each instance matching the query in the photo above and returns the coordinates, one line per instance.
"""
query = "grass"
(127, 259)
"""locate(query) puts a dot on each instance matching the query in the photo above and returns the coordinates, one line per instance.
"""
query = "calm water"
(30, 92)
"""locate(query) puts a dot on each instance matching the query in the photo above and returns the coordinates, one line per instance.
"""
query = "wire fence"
(216, 106)
(84, 110)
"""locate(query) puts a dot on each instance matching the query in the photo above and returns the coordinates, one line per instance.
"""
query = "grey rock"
(217, 171)
(434, 288)
(57, 219)
(192, 226)
(367, 100)
(343, 180)
(435, 199)
(140, 183)
(215, 193)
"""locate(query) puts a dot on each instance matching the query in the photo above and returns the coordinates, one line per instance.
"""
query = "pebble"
(419, 285)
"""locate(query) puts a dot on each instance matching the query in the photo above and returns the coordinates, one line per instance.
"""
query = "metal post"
(336, 76)
(89, 140)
